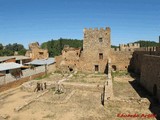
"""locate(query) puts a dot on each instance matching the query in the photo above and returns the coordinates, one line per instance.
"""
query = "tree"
(114, 46)
(56, 46)
(22, 52)
(1, 46)
(11, 48)
(7, 52)
(144, 43)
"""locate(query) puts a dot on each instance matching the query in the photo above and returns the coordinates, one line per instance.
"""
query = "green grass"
(58, 71)
(119, 73)
(81, 80)
(42, 77)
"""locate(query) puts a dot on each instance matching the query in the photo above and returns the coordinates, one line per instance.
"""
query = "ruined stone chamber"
(35, 52)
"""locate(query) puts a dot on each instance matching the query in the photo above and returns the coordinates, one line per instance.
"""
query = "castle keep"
(96, 49)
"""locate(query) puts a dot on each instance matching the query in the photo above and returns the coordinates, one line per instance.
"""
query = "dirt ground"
(74, 104)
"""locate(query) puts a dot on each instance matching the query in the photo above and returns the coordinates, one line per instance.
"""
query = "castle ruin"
(35, 52)
(93, 57)
(97, 51)
(95, 54)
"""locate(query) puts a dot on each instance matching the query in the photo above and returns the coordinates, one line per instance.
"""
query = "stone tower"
(96, 49)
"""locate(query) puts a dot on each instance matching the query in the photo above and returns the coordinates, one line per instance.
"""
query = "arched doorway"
(114, 67)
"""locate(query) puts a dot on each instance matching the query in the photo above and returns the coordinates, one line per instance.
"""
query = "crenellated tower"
(96, 39)
(96, 48)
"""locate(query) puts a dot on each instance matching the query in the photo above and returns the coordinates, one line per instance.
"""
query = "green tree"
(1, 46)
(22, 52)
(144, 43)
(7, 52)
(11, 48)
(114, 46)
(56, 46)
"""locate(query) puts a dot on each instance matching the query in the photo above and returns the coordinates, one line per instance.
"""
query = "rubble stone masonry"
(150, 74)
(96, 49)
(95, 54)
(35, 52)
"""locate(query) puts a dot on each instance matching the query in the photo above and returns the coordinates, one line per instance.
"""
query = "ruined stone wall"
(35, 52)
(120, 60)
(58, 60)
(39, 53)
(68, 60)
(51, 68)
(150, 74)
(71, 54)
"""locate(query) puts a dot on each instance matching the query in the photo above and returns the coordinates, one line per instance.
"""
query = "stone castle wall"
(129, 47)
(137, 59)
(120, 60)
(150, 74)
(122, 56)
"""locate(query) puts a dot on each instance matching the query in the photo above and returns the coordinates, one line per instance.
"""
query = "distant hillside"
(144, 43)
(55, 46)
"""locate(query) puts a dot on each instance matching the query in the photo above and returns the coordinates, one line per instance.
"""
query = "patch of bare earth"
(127, 100)
(74, 104)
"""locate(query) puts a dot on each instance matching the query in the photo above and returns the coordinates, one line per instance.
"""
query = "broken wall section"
(35, 52)
(69, 60)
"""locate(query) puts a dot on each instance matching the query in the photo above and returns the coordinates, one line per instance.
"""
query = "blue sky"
(26, 21)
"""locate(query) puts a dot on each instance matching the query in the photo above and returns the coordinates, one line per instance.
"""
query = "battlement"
(127, 47)
(96, 29)
(131, 45)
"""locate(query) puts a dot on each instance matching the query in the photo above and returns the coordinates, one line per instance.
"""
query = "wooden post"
(46, 69)
(45, 85)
